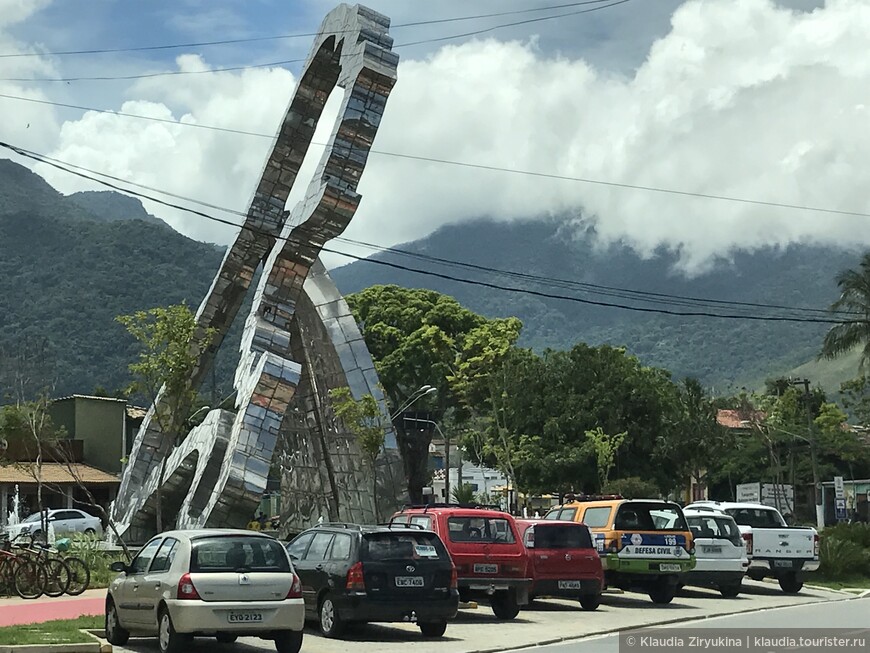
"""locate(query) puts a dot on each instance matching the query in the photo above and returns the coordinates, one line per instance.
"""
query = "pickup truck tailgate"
(783, 543)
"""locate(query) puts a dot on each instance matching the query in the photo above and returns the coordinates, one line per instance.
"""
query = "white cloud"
(16, 11)
(741, 98)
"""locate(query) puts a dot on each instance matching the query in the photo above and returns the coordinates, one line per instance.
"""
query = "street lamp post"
(817, 485)
(414, 398)
(446, 454)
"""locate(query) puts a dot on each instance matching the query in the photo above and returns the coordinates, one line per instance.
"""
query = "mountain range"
(70, 264)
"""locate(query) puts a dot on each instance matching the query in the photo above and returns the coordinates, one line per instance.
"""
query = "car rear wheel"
(115, 633)
(90, 532)
(504, 605)
(288, 641)
(590, 602)
(663, 593)
(790, 583)
(331, 624)
(731, 590)
(226, 638)
(169, 640)
(436, 629)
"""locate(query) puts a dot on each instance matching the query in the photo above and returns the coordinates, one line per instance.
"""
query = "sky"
(751, 99)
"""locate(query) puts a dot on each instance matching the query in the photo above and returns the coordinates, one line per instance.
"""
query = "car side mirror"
(119, 567)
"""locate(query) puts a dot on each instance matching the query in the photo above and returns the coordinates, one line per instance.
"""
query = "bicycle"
(19, 572)
(57, 572)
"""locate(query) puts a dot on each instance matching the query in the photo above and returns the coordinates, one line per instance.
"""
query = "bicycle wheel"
(30, 580)
(79, 576)
(7, 575)
(57, 577)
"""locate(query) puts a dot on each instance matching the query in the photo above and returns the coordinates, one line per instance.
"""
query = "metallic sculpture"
(299, 340)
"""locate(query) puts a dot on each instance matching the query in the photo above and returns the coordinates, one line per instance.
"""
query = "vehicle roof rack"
(468, 506)
(340, 524)
(579, 498)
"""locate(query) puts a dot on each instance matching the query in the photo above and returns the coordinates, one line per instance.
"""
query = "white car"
(721, 552)
(779, 550)
(208, 583)
(64, 522)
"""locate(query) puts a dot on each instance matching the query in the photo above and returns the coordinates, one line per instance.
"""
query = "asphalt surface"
(545, 623)
(853, 617)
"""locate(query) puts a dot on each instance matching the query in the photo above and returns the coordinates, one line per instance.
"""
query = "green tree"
(421, 337)
(363, 418)
(855, 395)
(168, 338)
(463, 494)
(632, 487)
(852, 306)
(605, 446)
(27, 428)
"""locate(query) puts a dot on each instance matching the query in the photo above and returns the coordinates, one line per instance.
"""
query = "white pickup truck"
(779, 550)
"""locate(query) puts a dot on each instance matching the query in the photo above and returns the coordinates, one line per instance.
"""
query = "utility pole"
(817, 486)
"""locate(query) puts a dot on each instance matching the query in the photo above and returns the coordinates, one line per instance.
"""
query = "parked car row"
(419, 566)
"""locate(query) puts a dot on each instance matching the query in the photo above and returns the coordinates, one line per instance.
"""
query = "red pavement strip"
(15, 612)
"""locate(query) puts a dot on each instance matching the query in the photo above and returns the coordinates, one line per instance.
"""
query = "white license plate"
(569, 584)
(485, 569)
(245, 617)
(409, 581)
(668, 567)
(782, 563)
(711, 549)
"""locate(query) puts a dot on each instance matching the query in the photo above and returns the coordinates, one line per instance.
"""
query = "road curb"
(677, 620)
(95, 646)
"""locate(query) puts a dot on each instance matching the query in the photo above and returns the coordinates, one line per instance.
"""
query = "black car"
(360, 574)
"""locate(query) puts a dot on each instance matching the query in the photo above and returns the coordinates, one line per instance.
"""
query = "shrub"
(632, 487)
(842, 559)
(857, 533)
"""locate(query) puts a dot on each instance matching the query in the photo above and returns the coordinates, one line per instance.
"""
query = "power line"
(290, 61)
(623, 293)
(477, 166)
(256, 39)
(762, 318)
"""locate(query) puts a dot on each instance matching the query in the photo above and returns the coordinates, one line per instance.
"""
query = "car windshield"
(562, 536)
(649, 516)
(402, 546)
(714, 526)
(480, 529)
(32, 518)
(756, 517)
(233, 553)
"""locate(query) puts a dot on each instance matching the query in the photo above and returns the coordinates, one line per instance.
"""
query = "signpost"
(776, 496)
(839, 499)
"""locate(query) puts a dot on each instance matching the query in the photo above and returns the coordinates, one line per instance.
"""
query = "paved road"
(851, 616)
(547, 621)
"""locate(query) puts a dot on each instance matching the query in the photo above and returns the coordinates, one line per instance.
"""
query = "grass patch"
(66, 631)
(838, 584)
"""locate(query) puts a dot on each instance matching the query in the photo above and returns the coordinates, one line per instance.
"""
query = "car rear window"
(715, 527)
(562, 514)
(756, 517)
(562, 536)
(597, 517)
(402, 546)
(233, 553)
(649, 516)
(480, 529)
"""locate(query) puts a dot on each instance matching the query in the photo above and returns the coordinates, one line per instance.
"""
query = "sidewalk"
(17, 612)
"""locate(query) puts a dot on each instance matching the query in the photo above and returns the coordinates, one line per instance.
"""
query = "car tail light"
(186, 589)
(454, 579)
(530, 538)
(295, 588)
(355, 579)
(816, 545)
(747, 538)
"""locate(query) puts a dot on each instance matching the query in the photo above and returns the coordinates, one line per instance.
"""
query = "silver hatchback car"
(209, 583)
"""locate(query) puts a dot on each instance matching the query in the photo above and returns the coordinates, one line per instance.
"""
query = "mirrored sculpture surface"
(300, 339)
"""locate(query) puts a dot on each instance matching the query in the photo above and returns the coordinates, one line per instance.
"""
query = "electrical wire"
(291, 61)
(256, 39)
(476, 166)
(729, 316)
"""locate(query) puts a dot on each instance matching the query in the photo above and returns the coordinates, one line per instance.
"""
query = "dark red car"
(563, 561)
(487, 549)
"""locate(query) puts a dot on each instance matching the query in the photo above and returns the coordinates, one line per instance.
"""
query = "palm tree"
(854, 305)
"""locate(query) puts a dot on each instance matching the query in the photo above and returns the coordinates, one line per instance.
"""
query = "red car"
(487, 549)
(563, 561)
